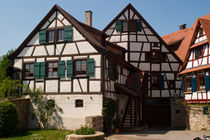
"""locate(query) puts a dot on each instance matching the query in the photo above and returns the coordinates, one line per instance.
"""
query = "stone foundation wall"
(198, 120)
(95, 122)
(23, 112)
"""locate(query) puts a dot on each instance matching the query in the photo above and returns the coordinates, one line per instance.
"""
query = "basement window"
(79, 103)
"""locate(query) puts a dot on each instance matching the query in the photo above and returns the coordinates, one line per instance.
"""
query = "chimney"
(88, 18)
(182, 26)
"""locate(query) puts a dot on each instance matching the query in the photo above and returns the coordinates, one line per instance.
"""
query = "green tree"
(4, 64)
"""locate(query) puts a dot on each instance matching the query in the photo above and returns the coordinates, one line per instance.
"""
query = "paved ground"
(161, 135)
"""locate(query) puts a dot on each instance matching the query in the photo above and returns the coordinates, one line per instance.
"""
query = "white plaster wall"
(70, 48)
(188, 96)
(146, 47)
(134, 56)
(52, 24)
(45, 25)
(52, 58)
(74, 117)
(141, 38)
(97, 74)
(77, 35)
(18, 63)
(39, 51)
(95, 86)
(115, 39)
(155, 67)
(50, 49)
(66, 22)
(144, 66)
(27, 51)
(65, 86)
(189, 65)
(51, 85)
(59, 16)
(171, 58)
(155, 93)
(152, 39)
(135, 46)
(40, 60)
(165, 67)
(40, 85)
(165, 93)
(28, 59)
(164, 49)
(34, 40)
(170, 76)
(86, 47)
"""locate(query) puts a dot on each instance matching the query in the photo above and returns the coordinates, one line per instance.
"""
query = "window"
(51, 36)
(52, 69)
(60, 35)
(155, 80)
(198, 52)
(201, 83)
(201, 33)
(28, 70)
(155, 55)
(125, 26)
(79, 103)
(128, 25)
(188, 86)
(80, 67)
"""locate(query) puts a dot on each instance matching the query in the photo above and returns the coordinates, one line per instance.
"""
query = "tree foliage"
(4, 64)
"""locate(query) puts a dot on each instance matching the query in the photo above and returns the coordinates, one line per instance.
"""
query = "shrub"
(85, 131)
(108, 113)
(8, 118)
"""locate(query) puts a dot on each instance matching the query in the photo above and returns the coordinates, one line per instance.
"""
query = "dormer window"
(201, 33)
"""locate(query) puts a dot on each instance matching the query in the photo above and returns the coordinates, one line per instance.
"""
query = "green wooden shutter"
(36, 70)
(42, 69)
(196, 53)
(194, 84)
(90, 67)
(68, 34)
(119, 26)
(138, 25)
(61, 69)
(207, 83)
(42, 36)
(183, 85)
(109, 69)
(69, 68)
(162, 81)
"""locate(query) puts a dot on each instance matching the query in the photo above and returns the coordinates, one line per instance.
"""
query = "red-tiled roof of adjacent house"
(195, 69)
(183, 37)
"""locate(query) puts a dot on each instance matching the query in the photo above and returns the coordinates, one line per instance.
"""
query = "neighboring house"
(148, 52)
(192, 46)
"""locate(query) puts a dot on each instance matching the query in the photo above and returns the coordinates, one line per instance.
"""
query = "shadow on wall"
(54, 122)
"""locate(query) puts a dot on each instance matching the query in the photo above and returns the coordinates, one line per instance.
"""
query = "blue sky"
(20, 17)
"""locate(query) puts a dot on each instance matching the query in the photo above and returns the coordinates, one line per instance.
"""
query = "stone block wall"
(198, 120)
(23, 112)
(96, 122)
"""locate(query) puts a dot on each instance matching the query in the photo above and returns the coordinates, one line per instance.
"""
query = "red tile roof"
(195, 69)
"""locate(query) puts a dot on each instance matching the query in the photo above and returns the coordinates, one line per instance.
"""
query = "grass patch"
(39, 135)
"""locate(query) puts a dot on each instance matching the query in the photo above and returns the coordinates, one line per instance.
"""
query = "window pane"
(124, 26)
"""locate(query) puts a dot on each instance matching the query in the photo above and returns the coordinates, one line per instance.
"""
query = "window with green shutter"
(69, 68)
(61, 69)
(39, 70)
(90, 67)
(161, 81)
(118, 26)
(194, 84)
(207, 83)
(183, 85)
(68, 34)
(36, 70)
(138, 25)
(42, 36)
(42, 69)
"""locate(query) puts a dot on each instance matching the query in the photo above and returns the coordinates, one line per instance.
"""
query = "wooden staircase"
(129, 120)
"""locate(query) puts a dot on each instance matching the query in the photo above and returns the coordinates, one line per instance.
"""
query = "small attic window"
(79, 103)
(201, 33)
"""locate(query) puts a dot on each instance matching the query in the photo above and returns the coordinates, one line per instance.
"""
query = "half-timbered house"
(73, 64)
(195, 70)
(148, 52)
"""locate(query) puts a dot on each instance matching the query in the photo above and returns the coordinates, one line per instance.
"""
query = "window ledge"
(201, 90)
(188, 92)
(79, 76)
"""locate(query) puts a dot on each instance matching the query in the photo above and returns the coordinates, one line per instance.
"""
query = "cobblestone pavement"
(161, 135)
